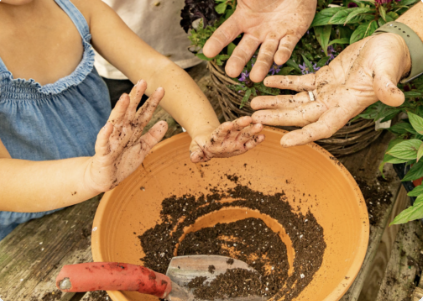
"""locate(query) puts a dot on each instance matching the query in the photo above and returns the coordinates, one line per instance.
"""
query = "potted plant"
(336, 25)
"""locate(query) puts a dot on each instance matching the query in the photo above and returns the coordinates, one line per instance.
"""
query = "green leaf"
(409, 214)
(413, 94)
(220, 9)
(293, 64)
(381, 22)
(203, 57)
(408, 2)
(392, 14)
(339, 18)
(359, 33)
(320, 20)
(246, 98)
(415, 173)
(340, 41)
(286, 70)
(389, 159)
(308, 64)
(402, 128)
(323, 36)
(417, 122)
(358, 11)
(322, 62)
(416, 191)
(406, 149)
(231, 48)
(420, 152)
(382, 12)
(418, 200)
(371, 29)
(331, 11)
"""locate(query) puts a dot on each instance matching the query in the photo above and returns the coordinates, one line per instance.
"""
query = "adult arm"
(29, 186)
(365, 72)
(277, 25)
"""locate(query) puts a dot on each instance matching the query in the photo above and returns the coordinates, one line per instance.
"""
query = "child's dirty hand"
(362, 74)
(120, 146)
(229, 139)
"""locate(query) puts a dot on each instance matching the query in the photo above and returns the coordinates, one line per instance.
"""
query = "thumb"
(196, 152)
(385, 87)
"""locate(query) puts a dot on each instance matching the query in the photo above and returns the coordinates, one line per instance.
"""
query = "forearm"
(125, 50)
(29, 186)
(413, 18)
(184, 100)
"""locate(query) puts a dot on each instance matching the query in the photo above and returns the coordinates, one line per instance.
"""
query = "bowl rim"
(337, 293)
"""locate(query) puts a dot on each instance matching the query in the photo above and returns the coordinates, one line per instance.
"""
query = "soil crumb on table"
(249, 240)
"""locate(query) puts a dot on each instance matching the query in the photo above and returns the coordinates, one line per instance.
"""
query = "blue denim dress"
(54, 121)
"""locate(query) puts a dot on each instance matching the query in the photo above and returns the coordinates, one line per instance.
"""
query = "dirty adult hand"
(120, 146)
(276, 24)
(229, 139)
(362, 74)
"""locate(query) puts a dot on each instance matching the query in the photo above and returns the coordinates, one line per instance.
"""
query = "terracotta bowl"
(339, 207)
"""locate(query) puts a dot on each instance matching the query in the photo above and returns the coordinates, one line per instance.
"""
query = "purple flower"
(385, 1)
(352, 4)
(306, 70)
(275, 69)
(244, 76)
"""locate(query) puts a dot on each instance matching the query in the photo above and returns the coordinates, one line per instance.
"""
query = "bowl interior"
(335, 201)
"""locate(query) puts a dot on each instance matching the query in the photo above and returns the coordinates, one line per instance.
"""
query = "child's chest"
(45, 49)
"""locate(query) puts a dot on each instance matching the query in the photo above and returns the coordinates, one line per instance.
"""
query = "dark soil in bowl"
(249, 240)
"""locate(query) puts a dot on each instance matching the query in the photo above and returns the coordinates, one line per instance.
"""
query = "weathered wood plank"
(376, 273)
(32, 255)
(364, 165)
(398, 282)
(418, 294)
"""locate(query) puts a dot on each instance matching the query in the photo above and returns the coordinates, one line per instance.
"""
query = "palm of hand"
(229, 139)
(276, 24)
(363, 73)
(120, 146)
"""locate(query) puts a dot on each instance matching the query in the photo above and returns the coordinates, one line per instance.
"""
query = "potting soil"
(249, 240)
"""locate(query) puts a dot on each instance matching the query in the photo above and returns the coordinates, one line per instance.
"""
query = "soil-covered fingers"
(256, 140)
(327, 125)
(153, 136)
(280, 101)
(226, 33)
(135, 97)
(286, 46)
(249, 133)
(299, 116)
(144, 114)
(242, 55)
(118, 113)
(102, 145)
(220, 134)
(292, 82)
(265, 59)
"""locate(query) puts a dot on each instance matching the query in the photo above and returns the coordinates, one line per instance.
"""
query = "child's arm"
(28, 186)
(184, 100)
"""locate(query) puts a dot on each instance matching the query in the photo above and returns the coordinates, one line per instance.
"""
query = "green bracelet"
(414, 44)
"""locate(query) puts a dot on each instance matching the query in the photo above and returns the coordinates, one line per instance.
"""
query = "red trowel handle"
(112, 276)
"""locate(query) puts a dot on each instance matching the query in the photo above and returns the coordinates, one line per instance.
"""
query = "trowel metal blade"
(183, 269)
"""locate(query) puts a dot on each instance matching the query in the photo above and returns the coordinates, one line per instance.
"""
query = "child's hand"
(120, 146)
(229, 139)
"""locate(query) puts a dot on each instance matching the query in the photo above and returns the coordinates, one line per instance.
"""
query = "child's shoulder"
(89, 8)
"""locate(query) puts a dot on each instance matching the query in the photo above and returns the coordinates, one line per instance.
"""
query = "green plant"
(333, 29)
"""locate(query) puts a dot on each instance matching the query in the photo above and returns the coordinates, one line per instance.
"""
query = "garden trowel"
(127, 277)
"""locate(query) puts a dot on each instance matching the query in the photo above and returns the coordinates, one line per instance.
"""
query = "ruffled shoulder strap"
(77, 18)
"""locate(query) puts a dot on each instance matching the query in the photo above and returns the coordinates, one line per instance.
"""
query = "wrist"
(90, 183)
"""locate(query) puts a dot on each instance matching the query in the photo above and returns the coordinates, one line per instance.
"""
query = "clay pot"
(337, 204)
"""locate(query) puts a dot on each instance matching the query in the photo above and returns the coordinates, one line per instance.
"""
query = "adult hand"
(120, 146)
(229, 139)
(276, 24)
(362, 74)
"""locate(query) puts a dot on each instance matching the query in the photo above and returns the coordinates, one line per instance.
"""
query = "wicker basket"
(353, 137)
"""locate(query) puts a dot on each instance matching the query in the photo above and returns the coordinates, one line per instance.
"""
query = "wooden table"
(32, 255)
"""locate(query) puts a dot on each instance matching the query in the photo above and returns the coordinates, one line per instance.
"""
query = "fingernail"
(159, 89)
(139, 82)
